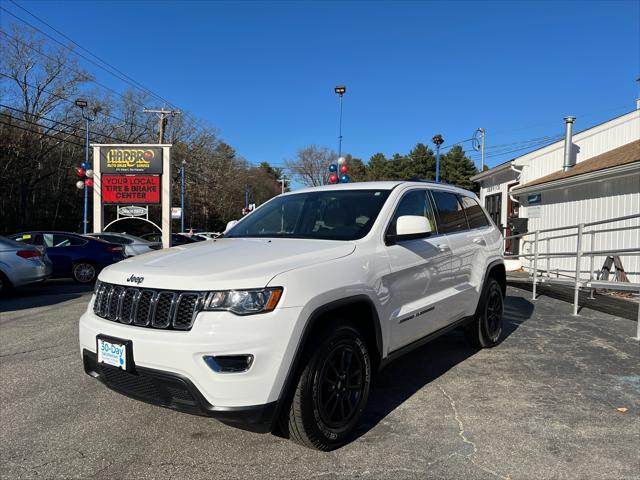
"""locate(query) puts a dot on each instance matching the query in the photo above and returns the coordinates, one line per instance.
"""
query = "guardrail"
(577, 281)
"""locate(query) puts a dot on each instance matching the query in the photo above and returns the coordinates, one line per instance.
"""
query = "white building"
(601, 181)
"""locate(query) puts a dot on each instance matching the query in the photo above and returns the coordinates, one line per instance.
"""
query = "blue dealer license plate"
(112, 353)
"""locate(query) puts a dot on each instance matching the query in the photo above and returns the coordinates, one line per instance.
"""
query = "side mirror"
(230, 225)
(410, 227)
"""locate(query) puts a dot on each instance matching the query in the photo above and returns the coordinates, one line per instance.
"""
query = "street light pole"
(437, 141)
(86, 189)
(82, 104)
(340, 90)
(182, 195)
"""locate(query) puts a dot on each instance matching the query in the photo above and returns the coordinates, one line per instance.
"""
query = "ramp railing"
(534, 239)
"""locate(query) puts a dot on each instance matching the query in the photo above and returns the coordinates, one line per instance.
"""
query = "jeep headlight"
(244, 302)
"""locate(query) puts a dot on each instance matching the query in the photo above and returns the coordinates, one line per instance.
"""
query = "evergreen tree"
(457, 169)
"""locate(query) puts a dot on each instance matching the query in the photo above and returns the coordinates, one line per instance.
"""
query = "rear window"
(450, 215)
(475, 214)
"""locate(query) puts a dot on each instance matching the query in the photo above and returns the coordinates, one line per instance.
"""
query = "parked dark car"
(176, 238)
(74, 256)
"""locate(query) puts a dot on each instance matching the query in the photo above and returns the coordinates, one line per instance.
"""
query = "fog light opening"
(229, 363)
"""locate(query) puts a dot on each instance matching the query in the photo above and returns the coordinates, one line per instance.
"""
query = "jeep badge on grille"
(136, 280)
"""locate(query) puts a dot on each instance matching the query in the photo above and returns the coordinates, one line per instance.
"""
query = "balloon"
(85, 165)
(344, 178)
(80, 184)
(344, 169)
(342, 161)
(80, 172)
(333, 167)
(89, 183)
(89, 173)
(333, 178)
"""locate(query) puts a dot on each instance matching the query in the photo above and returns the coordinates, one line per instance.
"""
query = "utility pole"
(283, 180)
(479, 144)
(162, 117)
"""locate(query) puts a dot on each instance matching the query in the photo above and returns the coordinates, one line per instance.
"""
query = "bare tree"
(311, 165)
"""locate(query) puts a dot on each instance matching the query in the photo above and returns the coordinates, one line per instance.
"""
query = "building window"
(493, 205)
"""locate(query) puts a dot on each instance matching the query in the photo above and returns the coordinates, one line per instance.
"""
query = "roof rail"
(423, 180)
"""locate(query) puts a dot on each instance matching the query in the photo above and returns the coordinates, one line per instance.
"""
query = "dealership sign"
(133, 211)
(131, 189)
(130, 160)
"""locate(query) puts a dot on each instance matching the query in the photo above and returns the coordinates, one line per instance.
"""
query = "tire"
(332, 390)
(6, 288)
(486, 328)
(84, 272)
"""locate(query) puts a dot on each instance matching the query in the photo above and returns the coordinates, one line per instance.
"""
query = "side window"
(413, 203)
(115, 239)
(451, 216)
(76, 242)
(30, 238)
(475, 215)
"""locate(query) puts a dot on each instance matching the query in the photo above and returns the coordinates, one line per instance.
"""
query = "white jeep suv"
(282, 322)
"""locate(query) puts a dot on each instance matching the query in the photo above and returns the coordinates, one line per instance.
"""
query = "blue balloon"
(344, 178)
(85, 165)
(333, 167)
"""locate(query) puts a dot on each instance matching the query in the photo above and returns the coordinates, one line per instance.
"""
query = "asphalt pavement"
(542, 404)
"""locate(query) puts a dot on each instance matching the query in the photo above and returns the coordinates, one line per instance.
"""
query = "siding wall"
(582, 203)
(587, 144)
(589, 203)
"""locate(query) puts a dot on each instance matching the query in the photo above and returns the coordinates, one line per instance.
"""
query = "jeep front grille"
(145, 307)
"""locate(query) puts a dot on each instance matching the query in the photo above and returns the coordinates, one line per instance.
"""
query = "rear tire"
(84, 272)
(486, 328)
(332, 390)
(5, 286)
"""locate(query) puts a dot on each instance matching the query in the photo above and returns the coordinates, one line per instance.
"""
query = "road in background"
(542, 404)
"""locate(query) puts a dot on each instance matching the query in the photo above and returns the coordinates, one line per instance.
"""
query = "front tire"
(486, 328)
(84, 272)
(332, 391)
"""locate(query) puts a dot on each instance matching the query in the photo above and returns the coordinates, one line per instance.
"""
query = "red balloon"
(80, 172)
(333, 178)
(344, 169)
(89, 182)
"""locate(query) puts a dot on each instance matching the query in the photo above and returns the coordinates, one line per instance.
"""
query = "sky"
(263, 73)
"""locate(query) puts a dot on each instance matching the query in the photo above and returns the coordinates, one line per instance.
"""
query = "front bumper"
(270, 338)
(178, 393)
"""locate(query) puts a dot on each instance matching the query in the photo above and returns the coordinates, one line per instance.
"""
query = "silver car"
(132, 245)
(21, 264)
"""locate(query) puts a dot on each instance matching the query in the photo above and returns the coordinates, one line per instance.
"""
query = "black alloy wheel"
(485, 329)
(341, 386)
(332, 390)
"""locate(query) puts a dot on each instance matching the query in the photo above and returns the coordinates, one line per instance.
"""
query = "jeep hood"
(226, 263)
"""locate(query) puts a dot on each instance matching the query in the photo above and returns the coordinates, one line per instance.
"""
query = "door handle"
(479, 241)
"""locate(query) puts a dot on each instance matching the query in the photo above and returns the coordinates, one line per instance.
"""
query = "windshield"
(326, 215)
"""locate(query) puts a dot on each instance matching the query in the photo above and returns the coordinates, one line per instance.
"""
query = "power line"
(71, 69)
(52, 129)
(140, 87)
(61, 123)
(40, 133)
(68, 100)
(137, 85)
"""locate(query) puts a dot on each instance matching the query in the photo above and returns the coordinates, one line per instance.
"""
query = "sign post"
(132, 175)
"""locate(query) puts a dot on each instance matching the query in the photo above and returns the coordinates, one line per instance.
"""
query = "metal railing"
(577, 281)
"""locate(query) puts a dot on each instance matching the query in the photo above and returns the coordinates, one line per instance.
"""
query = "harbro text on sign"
(144, 160)
(131, 189)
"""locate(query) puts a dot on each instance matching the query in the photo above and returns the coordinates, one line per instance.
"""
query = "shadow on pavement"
(407, 375)
(50, 292)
